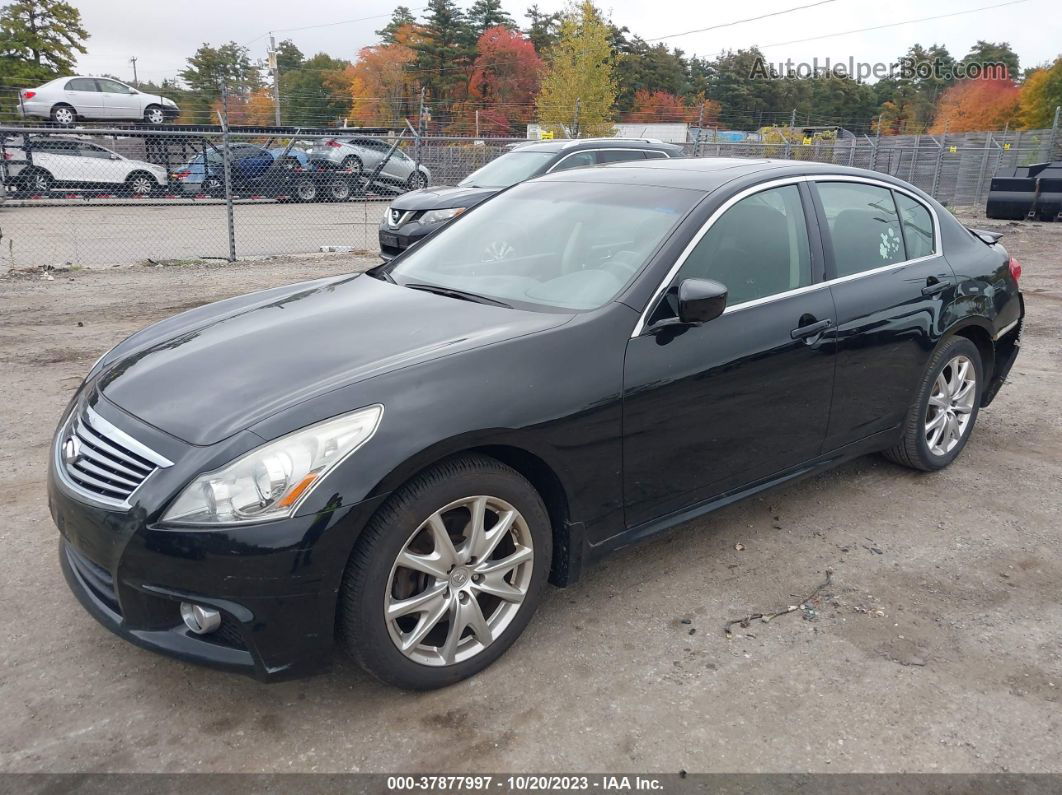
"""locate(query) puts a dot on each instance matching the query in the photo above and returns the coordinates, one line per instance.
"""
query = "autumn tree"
(656, 107)
(1041, 93)
(505, 80)
(579, 87)
(977, 104)
(381, 86)
(39, 39)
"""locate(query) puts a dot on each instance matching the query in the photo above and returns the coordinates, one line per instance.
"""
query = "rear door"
(718, 406)
(85, 97)
(61, 159)
(890, 284)
(102, 165)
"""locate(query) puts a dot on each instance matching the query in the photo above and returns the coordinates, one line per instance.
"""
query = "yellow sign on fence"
(546, 135)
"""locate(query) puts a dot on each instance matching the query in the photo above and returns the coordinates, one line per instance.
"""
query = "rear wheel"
(305, 190)
(339, 190)
(64, 115)
(418, 179)
(940, 421)
(447, 574)
(154, 114)
(140, 184)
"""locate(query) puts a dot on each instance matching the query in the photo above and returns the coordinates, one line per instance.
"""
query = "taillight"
(8, 156)
(334, 144)
(1015, 268)
(29, 94)
(182, 174)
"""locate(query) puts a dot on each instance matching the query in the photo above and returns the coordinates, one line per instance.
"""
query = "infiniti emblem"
(71, 450)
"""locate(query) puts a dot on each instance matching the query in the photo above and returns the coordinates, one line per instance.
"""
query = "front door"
(714, 407)
(119, 101)
(890, 284)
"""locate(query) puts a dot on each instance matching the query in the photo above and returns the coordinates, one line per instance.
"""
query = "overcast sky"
(162, 35)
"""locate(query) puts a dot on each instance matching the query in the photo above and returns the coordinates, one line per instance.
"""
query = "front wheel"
(64, 115)
(417, 180)
(140, 184)
(447, 574)
(940, 421)
(37, 182)
(155, 115)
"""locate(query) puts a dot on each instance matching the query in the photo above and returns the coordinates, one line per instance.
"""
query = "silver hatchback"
(362, 156)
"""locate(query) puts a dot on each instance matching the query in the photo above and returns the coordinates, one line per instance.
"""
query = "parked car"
(407, 456)
(361, 156)
(75, 164)
(67, 100)
(415, 215)
(277, 172)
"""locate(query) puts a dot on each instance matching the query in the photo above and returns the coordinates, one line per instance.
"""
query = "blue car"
(248, 164)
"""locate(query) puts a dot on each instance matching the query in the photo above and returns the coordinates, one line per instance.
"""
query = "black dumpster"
(1028, 192)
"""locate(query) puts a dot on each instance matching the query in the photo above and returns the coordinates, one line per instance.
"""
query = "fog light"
(201, 620)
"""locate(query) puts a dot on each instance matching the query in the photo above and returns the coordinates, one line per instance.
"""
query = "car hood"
(213, 371)
(442, 197)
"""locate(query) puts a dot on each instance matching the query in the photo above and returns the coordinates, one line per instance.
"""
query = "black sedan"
(399, 461)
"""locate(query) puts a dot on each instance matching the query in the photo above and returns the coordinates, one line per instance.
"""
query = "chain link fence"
(122, 196)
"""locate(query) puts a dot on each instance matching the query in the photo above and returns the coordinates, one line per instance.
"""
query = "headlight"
(271, 481)
(435, 216)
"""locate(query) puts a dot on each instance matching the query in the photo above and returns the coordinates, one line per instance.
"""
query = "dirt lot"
(937, 647)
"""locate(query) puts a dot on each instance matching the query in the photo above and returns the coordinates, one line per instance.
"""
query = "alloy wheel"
(63, 116)
(951, 403)
(141, 185)
(306, 191)
(155, 116)
(459, 581)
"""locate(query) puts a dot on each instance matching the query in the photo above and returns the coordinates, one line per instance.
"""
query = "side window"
(654, 154)
(917, 226)
(864, 226)
(618, 155)
(113, 86)
(757, 248)
(81, 84)
(576, 160)
(88, 150)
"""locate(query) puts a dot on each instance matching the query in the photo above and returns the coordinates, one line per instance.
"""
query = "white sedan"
(72, 163)
(65, 100)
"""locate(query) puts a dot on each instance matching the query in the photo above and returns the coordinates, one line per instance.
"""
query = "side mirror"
(700, 300)
(115, 157)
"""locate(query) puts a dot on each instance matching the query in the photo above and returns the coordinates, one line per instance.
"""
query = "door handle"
(934, 286)
(811, 329)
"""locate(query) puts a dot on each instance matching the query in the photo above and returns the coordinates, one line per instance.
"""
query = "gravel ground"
(936, 647)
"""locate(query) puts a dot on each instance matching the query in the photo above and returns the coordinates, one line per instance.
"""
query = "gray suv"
(415, 215)
(362, 155)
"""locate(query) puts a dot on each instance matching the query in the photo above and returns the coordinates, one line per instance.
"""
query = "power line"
(894, 24)
(743, 21)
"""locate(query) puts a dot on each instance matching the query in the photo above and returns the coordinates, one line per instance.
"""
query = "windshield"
(568, 245)
(507, 170)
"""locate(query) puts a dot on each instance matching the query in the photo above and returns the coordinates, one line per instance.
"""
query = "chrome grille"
(104, 462)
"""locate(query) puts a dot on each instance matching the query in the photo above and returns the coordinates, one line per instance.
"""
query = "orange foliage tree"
(977, 104)
(255, 110)
(381, 86)
(660, 107)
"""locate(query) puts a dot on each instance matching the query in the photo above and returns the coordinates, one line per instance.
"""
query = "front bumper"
(276, 584)
(393, 241)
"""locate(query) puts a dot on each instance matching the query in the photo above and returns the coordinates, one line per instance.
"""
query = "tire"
(374, 579)
(64, 115)
(339, 190)
(140, 183)
(417, 180)
(37, 181)
(154, 115)
(353, 164)
(214, 186)
(304, 190)
(915, 449)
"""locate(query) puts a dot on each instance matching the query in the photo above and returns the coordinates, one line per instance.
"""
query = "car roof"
(708, 173)
(579, 144)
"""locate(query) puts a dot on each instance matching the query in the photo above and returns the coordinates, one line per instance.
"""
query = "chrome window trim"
(777, 183)
(602, 149)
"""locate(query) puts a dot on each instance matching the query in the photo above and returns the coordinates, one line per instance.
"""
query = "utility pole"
(133, 62)
(477, 123)
(274, 67)
(700, 130)
(421, 122)
(226, 155)
(575, 119)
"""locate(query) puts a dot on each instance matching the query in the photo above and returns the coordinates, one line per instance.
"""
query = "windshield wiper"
(450, 292)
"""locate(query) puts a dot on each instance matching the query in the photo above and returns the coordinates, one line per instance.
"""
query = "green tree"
(1041, 93)
(289, 56)
(644, 67)
(579, 88)
(747, 88)
(444, 51)
(543, 28)
(486, 14)
(39, 39)
(315, 94)
(230, 64)
(401, 17)
(990, 52)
